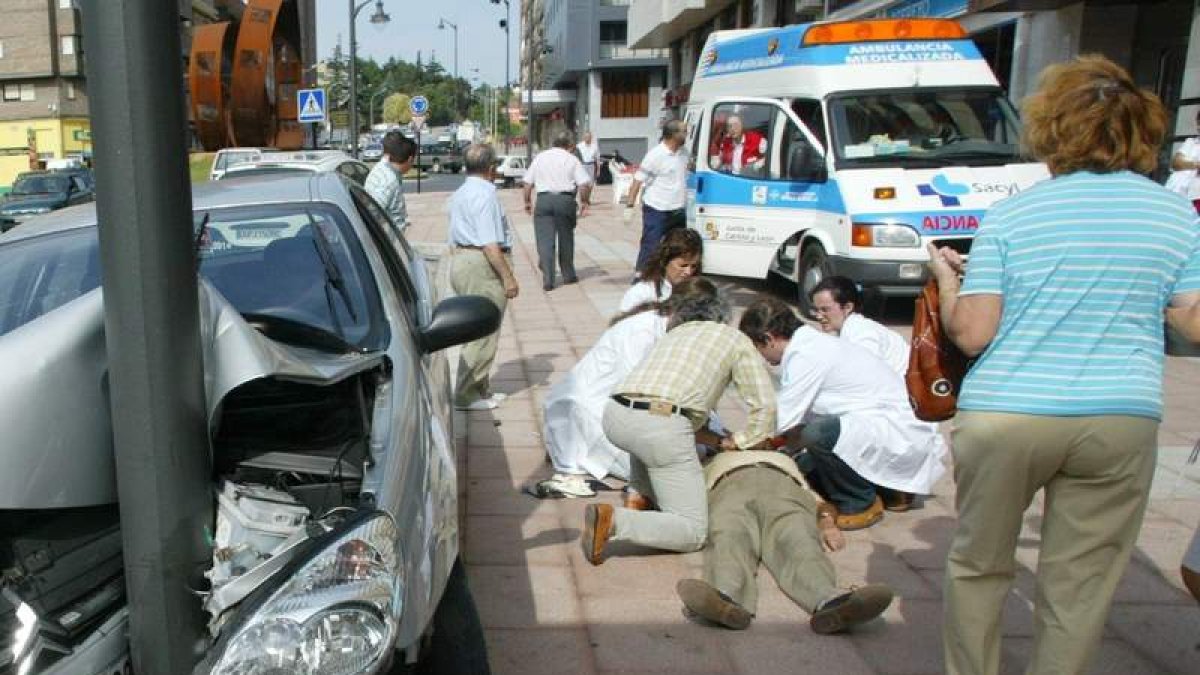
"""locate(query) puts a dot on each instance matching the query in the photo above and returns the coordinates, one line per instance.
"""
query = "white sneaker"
(572, 485)
(498, 397)
(480, 404)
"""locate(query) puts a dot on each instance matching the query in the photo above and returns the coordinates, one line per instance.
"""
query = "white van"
(862, 141)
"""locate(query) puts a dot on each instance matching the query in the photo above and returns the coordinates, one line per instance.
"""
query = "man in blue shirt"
(480, 246)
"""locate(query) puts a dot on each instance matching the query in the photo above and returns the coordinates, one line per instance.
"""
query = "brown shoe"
(862, 519)
(897, 501)
(636, 501)
(711, 604)
(597, 528)
(850, 609)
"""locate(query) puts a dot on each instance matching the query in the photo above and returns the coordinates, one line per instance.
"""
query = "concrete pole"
(151, 322)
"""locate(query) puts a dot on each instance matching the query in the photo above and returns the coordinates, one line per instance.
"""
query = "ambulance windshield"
(923, 128)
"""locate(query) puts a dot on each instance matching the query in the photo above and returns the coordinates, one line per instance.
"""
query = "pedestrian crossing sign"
(311, 104)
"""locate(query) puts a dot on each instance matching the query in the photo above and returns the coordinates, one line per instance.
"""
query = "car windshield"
(924, 128)
(43, 273)
(293, 265)
(39, 185)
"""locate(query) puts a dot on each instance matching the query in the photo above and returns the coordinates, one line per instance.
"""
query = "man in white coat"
(847, 413)
(837, 306)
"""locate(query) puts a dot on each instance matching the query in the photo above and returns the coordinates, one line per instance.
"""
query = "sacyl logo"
(944, 189)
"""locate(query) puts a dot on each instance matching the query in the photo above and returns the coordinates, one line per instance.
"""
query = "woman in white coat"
(1184, 165)
(837, 306)
(574, 409)
(849, 413)
(677, 257)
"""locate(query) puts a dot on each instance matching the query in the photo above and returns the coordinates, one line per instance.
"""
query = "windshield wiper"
(333, 275)
(200, 234)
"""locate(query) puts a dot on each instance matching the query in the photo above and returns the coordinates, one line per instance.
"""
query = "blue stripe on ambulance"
(725, 190)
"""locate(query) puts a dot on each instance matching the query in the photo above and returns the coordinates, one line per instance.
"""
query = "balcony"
(618, 50)
(657, 23)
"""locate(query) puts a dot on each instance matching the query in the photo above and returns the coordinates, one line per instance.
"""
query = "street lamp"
(504, 23)
(378, 18)
(442, 23)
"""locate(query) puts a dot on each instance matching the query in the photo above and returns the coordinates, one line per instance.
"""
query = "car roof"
(311, 160)
(248, 191)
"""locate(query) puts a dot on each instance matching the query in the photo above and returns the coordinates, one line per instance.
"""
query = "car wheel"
(456, 646)
(814, 266)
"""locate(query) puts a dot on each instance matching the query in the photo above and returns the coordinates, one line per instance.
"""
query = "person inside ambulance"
(740, 151)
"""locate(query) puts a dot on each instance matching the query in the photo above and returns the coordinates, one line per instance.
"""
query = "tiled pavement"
(546, 610)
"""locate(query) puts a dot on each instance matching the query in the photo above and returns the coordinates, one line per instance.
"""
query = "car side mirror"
(459, 320)
(805, 165)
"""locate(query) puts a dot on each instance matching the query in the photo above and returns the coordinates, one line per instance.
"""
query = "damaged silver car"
(334, 529)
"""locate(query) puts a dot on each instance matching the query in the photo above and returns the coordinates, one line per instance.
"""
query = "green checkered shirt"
(693, 364)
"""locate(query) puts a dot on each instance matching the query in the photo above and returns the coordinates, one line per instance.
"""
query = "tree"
(395, 109)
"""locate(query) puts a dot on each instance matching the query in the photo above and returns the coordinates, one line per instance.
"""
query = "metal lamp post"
(442, 23)
(507, 55)
(379, 17)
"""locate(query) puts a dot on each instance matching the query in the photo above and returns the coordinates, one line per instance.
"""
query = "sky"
(414, 26)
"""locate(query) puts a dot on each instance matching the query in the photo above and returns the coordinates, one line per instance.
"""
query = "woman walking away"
(1063, 303)
(677, 257)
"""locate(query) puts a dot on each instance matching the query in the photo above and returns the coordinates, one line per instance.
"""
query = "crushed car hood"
(57, 447)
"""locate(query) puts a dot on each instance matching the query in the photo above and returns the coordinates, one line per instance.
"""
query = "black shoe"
(572, 280)
(851, 609)
(709, 603)
(547, 287)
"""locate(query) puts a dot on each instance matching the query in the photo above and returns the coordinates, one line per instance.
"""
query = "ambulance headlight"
(885, 235)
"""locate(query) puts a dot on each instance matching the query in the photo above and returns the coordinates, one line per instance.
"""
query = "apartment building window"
(625, 94)
(66, 4)
(19, 92)
(28, 93)
(71, 91)
(68, 44)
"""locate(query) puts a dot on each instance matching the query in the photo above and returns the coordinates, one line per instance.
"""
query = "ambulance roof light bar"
(873, 30)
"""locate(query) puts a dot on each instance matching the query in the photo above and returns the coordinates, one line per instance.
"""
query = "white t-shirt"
(643, 292)
(1184, 182)
(664, 175)
(588, 151)
(556, 170)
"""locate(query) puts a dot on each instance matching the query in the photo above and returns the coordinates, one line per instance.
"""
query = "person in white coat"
(847, 414)
(677, 257)
(1184, 164)
(574, 409)
(837, 306)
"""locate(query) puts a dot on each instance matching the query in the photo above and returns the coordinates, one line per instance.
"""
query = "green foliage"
(395, 109)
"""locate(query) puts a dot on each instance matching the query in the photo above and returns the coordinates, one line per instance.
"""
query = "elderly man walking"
(589, 154)
(663, 172)
(386, 181)
(556, 174)
(480, 244)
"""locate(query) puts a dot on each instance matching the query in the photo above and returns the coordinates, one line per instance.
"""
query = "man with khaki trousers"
(480, 246)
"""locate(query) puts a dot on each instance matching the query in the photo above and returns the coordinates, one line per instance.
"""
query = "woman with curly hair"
(677, 257)
(1063, 305)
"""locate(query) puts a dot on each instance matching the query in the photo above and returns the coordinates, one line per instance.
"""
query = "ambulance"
(843, 148)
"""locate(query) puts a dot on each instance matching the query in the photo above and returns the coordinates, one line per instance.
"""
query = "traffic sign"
(311, 103)
(418, 105)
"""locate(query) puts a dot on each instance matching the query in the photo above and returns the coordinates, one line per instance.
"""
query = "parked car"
(229, 157)
(439, 157)
(302, 161)
(372, 152)
(509, 170)
(37, 192)
(335, 520)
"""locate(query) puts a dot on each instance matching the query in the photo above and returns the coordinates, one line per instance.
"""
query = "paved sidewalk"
(546, 610)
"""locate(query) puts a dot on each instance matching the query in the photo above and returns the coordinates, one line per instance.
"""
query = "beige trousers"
(760, 514)
(472, 274)
(1096, 473)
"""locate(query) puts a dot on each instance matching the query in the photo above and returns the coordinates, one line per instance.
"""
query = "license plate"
(257, 233)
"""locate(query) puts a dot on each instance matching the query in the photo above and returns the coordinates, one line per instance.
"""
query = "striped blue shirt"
(1086, 264)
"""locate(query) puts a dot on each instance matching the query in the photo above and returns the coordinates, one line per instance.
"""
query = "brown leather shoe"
(709, 603)
(636, 501)
(862, 519)
(597, 528)
(897, 501)
(850, 609)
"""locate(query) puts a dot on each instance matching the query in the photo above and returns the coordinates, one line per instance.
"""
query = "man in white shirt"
(480, 244)
(837, 306)
(385, 183)
(556, 174)
(663, 172)
(847, 413)
(589, 154)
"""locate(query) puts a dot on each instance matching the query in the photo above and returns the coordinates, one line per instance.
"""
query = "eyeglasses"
(826, 309)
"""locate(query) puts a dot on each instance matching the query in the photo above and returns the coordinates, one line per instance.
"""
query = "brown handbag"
(936, 367)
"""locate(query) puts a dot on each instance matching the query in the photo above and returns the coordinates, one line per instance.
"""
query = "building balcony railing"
(618, 50)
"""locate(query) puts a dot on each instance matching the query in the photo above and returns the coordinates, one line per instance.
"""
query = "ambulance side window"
(740, 138)
(798, 159)
(809, 112)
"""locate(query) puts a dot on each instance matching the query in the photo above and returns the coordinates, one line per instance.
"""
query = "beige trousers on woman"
(1096, 472)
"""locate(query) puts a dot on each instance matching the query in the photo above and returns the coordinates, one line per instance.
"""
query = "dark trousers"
(832, 478)
(655, 225)
(554, 226)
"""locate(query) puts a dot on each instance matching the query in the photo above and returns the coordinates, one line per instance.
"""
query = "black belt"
(565, 194)
(503, 249)
(655, 405)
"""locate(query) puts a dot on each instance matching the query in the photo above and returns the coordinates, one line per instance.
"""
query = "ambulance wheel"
(814, 266)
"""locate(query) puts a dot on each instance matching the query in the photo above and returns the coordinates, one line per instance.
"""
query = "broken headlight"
(333, 614)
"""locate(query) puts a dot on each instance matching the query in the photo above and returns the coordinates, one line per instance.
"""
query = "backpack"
(936, 367)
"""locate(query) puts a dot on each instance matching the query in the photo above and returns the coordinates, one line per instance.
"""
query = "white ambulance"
(843, 148)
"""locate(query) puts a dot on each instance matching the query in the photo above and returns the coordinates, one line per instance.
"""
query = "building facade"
(1019, 38)
(587, 78)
